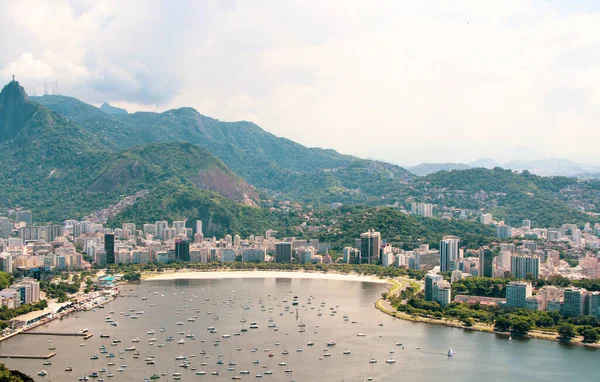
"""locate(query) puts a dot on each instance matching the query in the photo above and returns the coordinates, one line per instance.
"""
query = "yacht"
(43, 373)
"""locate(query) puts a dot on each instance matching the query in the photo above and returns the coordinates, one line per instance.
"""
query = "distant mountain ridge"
(428, 168)
(543, 167)
(109, 109)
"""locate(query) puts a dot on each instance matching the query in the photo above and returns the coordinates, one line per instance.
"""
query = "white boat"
(42, 373)
(450, 352)
(390, 360)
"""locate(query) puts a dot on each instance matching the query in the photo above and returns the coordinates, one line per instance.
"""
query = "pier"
(86, 335)
(23, 356)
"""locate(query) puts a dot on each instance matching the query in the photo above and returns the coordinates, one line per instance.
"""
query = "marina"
(164, 344)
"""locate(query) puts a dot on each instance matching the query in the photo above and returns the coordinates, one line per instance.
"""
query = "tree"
(566, 331)
(591, 335)
(520, 327)
(7, 375)
(502, 324)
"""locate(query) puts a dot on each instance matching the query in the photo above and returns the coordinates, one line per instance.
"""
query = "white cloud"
(404, 81)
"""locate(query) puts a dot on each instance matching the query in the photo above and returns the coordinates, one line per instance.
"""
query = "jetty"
(24, 356)
(84, 335)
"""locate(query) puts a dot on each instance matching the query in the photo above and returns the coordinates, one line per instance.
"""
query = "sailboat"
(450, 352)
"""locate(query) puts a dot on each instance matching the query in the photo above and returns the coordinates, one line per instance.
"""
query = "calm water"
(478, 356)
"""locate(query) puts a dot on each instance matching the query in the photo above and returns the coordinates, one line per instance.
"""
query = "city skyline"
(524, 69)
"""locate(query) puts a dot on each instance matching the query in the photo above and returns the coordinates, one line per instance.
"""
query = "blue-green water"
(423, 356)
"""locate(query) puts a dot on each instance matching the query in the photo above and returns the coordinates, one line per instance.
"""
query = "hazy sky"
(404, 81)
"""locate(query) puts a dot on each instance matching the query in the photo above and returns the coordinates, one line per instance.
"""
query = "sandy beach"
(229, 274)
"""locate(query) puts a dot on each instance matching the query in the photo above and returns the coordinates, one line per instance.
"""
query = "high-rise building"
(305, 255)
(270, 234)
(430, 280)
(424, 209)
(51, 232)
(109, 247)
(160, 228)
(182, 250)
(178, 225)
(6, 264)
(504, 232)
(573, 304)
(24, 216)
(227, 255)
(577, 239)
(256, 255)
(444, 293)
(521, 265)
(350, 255)
(29, 290)
(29, 233)
(198, 226)
(517, 293)
(530, 245)
(593, 308)
(486, 258)
(370, 244)
(449, 253)
(527, 224)
(554, 234)
(150, 229)
(486, 219)
(5, 227)
(283, 252)
(169, 234)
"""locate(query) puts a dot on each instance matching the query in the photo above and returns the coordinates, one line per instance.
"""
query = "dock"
(23, 356)
(86, 335)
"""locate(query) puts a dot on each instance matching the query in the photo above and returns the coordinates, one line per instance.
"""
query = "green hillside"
(264, 160)
(548, 201)
(61, 170)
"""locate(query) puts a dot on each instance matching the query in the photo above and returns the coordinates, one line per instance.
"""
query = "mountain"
(264, 160)
(62, 170)
(132, 169)
(109, 109)
(547, 201)
(485, 163)
(543, 167)
(75, 159)
(547, 167)
(15, 110)
(428, 168)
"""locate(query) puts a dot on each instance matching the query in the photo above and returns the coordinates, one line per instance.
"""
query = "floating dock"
(58, 334)
(22, 356)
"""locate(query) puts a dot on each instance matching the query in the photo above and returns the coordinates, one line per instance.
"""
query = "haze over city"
(428, 81)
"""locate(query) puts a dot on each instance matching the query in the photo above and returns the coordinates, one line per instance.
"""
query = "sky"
(402, 81)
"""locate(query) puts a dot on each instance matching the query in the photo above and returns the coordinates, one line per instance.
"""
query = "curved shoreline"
(394, 288)
(262, 274)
